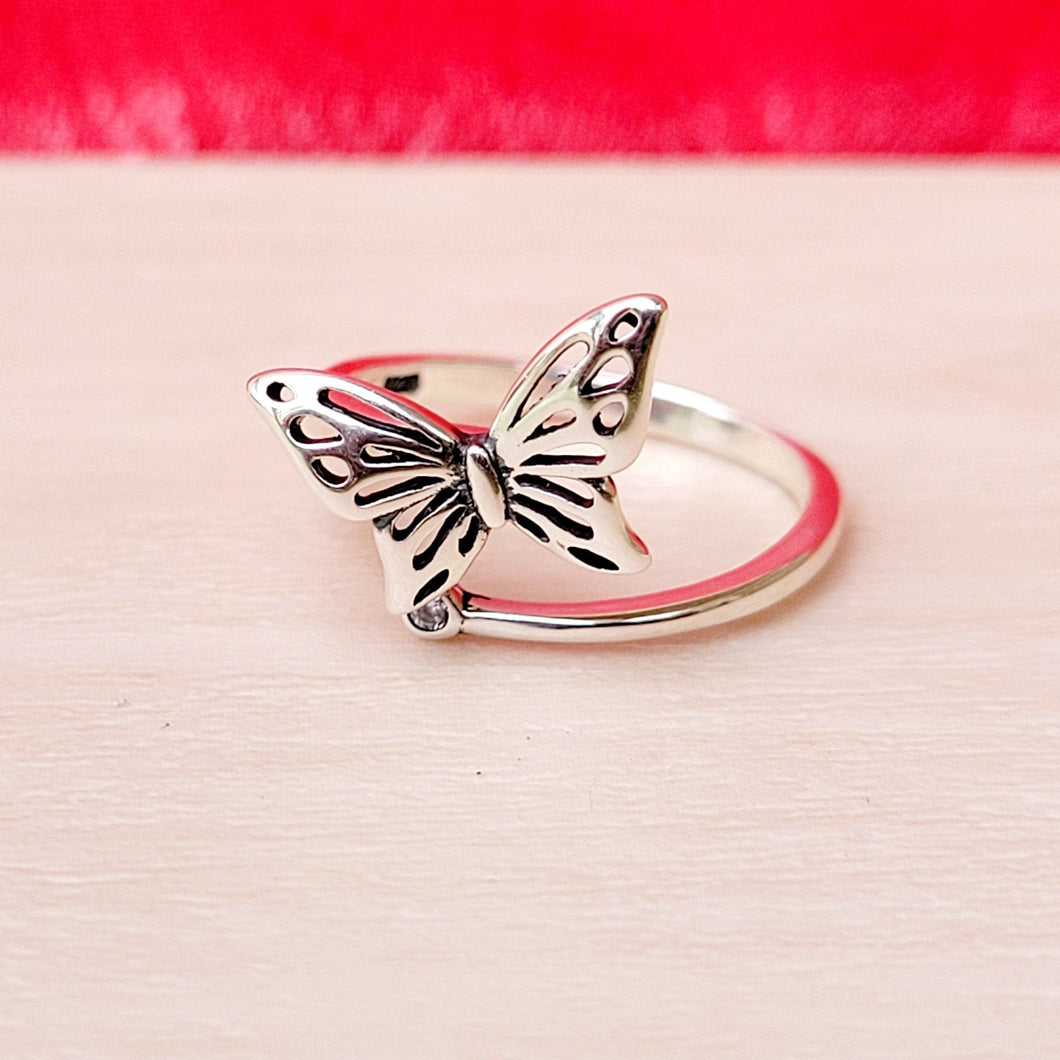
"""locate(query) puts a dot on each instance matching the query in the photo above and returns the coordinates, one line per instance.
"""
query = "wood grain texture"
(242, 814)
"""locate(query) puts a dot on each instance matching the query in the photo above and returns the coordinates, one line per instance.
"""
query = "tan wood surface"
(244, 814)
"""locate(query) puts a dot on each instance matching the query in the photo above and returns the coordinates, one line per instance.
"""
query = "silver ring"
(363, 436)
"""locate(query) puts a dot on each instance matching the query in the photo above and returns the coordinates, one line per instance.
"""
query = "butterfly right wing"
(371, 455)
(560, 434)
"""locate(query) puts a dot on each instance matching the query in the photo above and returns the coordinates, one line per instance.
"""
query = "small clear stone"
(432, 616)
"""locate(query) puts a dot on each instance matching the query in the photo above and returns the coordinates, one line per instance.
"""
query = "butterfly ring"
(366, 441)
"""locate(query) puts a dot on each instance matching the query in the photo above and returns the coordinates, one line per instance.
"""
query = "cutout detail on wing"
(364, 452)
(587, 415)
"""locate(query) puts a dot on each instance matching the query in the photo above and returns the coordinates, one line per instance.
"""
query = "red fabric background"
(575, 76)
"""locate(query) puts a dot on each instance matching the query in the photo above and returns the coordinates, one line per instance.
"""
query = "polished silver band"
(677, 415)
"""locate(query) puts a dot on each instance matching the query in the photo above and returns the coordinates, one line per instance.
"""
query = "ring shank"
(677, 415)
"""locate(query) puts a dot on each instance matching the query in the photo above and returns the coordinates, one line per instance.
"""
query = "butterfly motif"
(434, 491)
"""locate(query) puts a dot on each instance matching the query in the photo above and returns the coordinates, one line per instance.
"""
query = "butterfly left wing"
(559, 438)
(371, 455)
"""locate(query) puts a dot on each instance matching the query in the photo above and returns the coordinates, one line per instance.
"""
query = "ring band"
(366, 439)
(678, 415)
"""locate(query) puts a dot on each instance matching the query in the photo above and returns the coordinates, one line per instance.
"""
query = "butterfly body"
(486, 483)
(434, 492)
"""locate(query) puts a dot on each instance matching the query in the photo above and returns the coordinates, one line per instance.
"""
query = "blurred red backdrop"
(572, 76)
